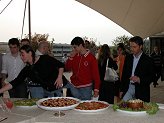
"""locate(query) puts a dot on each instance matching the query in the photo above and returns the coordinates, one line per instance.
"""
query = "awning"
(139, 17)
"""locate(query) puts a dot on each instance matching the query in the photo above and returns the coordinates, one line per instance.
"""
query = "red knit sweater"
(85, 70)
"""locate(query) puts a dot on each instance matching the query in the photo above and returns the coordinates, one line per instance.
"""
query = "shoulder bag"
(110, 74)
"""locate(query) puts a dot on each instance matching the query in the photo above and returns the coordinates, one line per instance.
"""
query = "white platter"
(132, 112)
(57, 108)
(161, 106)
(92, 111)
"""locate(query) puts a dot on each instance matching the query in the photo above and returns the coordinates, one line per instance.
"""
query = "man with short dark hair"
(11, 67)
(138, 72)
(85, 71)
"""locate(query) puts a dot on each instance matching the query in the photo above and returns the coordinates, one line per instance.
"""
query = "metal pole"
(29, 17)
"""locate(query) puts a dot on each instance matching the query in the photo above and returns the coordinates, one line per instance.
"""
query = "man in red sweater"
(84, 67)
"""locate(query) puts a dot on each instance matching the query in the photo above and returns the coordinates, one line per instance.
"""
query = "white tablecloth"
(36, 115)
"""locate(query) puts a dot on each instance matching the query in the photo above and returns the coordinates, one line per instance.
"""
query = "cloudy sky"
(61, 19)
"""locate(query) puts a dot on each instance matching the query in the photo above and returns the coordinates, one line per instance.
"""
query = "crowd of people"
(25, 72)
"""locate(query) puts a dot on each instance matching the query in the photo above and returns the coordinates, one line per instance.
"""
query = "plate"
(57, 108)
(26, 103)
(34, 106)
(93, 111)
(161, 106)
(132, 112)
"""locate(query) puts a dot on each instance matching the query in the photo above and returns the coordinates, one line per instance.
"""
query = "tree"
(36, 38)
(91, 45)
(122, 39)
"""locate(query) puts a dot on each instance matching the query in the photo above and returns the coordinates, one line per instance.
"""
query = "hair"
(77, 41)
(120, 45)
(14, 41)
(104, 53)
(43, 43)
(27, 49)
(137, 39)
(25, 39)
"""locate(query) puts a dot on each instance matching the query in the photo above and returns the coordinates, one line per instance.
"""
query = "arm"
(4, 69)
(59, 80)
(7, 87)
(96, 76)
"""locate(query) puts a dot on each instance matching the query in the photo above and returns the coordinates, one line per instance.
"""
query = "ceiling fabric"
(139, 17)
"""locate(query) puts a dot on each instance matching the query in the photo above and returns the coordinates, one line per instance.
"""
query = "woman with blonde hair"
(107, 90)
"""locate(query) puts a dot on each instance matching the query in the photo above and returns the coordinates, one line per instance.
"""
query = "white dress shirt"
(12, 66)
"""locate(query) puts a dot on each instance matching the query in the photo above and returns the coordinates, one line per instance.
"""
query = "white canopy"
(139, 17)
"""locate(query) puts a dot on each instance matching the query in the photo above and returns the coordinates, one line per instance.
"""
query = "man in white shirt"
(11, 67)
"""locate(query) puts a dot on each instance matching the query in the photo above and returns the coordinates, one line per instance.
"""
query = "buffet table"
(37, 115)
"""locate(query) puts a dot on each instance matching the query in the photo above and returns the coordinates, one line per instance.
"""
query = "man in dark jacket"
(137, 74)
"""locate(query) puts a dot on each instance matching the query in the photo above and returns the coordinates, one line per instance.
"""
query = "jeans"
(84, 93)
(130, 94)
(36, 92)
(39, 92)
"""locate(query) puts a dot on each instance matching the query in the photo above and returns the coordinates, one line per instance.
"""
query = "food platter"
(57, 101)
(26, 103)
(132, 112)
(147, 108)
(92, 103)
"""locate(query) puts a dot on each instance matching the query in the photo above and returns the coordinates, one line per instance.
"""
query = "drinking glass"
(7, 104)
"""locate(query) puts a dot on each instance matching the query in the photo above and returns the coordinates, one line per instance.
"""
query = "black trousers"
(107, 92)
(19, 92)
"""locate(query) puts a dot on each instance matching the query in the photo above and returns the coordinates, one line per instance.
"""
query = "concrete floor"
(157, 94)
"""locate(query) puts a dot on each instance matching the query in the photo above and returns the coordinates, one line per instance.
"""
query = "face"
(119, 51)
(135, 48)
(77, 48)
(25, 56)
(14, 49)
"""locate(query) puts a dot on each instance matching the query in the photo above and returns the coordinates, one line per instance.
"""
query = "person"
(84, 67)
(157, 58)
(0, 73)
(25, 41)
(11, 67)
(36, 90)
(138, 72)
(119, 58)
(64, 58)
(44, 70)
(107, 90)
(43, 49)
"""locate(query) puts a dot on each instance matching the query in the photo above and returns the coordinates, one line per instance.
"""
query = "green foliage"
(122, 39)
(36, 38)
(150, 108)
(91, 45)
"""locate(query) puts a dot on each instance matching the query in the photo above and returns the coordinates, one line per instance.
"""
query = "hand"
(135, 79)
(96, 93)
(59, 82)
(120, 95)
(3, 83)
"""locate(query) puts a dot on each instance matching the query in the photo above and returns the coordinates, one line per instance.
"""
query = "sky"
(60, 19)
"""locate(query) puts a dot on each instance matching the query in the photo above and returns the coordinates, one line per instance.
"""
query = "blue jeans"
(36, 92)
(130, 94)
(39, 92)
(84, 93)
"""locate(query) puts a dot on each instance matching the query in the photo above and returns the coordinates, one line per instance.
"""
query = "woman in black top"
(107, 89)
(44, 70)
